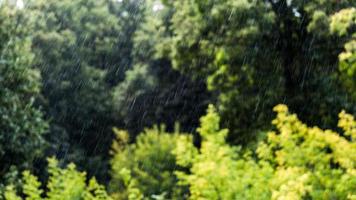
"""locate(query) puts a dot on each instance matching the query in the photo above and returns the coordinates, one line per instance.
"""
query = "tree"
(22, 125)
(74, 45)
(130, 15)
(152, 92)
(100, 69)
(256, 54)
(294, 162)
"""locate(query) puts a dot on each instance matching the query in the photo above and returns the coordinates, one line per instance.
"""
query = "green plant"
(147, 165)
(295, 162)
(68, 184)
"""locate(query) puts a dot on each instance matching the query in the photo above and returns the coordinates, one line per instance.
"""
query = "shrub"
(68, 184)
(295, 162)
(147, 165)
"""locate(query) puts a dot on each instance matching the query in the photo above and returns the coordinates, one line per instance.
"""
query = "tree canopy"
(164, 99)
(256, 54)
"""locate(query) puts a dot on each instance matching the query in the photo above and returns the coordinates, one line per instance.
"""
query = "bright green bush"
(295, 162)
(63, 184)
(145, 167)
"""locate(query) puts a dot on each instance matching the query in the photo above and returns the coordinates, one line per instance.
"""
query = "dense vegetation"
(107, 99)
(294, 162)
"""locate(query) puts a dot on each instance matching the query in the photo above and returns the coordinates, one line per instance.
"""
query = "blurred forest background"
(174, 99)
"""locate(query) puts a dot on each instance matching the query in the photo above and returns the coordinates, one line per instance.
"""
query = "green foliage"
(343, 23)
(151, 86)
(133, 192)
(255, 54)
(130, 15)
(22, 126)
(99, 70)
(74, 43)
(65, 183)
(93, 64)
(295, 162)
(146, 167)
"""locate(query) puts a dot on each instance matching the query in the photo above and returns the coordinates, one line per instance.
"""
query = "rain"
(177, 99)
